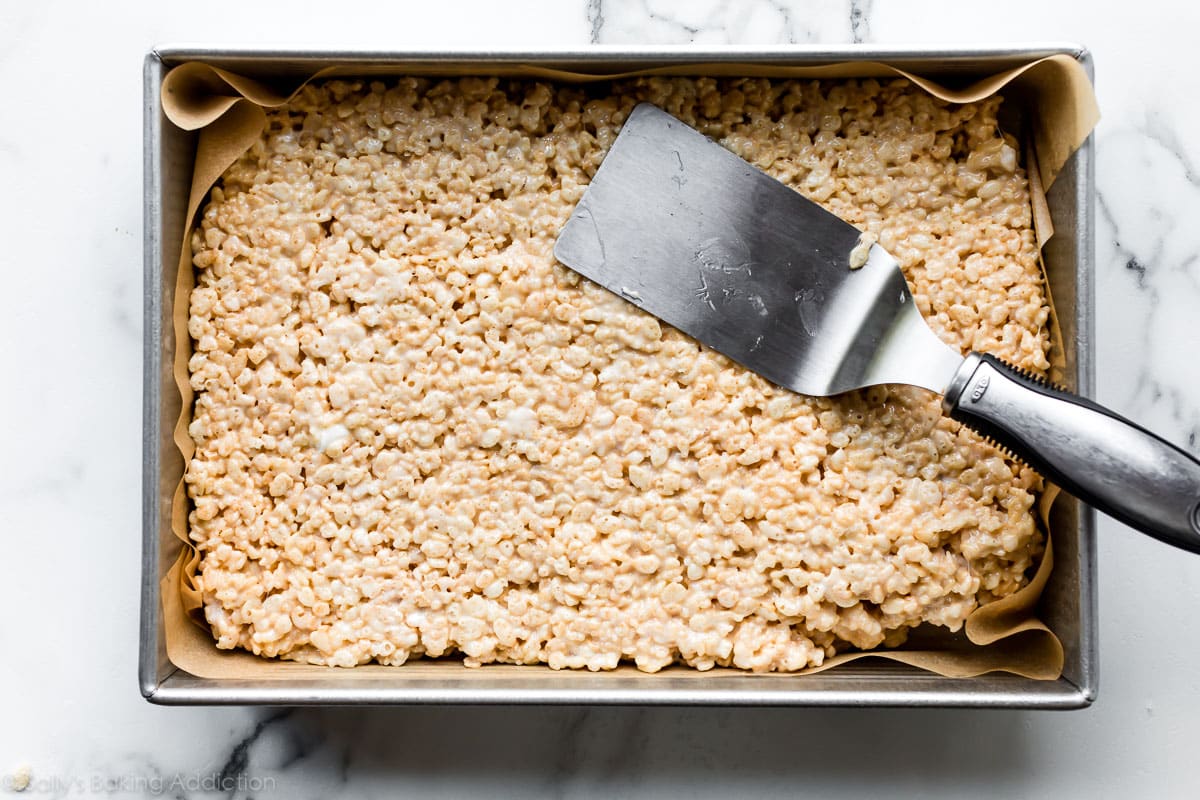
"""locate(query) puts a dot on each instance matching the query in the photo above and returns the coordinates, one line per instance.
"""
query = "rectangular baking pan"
(1069, 600)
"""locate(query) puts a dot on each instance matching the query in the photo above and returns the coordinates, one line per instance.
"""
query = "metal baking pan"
(1069, 600)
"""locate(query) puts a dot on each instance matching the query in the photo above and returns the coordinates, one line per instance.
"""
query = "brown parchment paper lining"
(228, 111)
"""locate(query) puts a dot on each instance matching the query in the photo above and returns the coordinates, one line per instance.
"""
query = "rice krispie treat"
(417, 434)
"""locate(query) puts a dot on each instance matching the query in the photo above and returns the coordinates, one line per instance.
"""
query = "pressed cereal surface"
(416, 433)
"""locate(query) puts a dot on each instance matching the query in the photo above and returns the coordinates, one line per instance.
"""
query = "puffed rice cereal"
(417, 434)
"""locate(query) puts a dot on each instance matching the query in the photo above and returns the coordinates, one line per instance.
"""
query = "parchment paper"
(228, 111)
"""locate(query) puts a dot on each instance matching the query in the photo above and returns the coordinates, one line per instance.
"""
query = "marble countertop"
(74, 724)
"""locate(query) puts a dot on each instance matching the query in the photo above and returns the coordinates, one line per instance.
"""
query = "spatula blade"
(684, 229)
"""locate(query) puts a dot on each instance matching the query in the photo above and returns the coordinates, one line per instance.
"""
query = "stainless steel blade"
(684, 229)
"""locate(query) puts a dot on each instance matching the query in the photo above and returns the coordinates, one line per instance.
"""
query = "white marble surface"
(70, 166)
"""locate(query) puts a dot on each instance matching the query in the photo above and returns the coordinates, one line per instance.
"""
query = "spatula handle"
(1096, 455)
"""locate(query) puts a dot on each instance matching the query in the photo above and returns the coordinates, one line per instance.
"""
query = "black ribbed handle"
(1096, 455)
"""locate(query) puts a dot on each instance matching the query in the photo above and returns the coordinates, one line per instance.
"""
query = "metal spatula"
(689, 232)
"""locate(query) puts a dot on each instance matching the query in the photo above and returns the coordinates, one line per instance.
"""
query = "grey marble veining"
(1153, 256)
(70, 321)
(556, 752)
(860, 20)
(728, 21)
